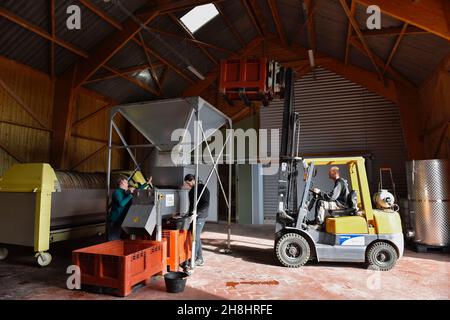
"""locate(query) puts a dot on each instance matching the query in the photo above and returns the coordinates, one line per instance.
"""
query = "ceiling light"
(196, 72)
(199, 16)
(143, 75)
(312, 63)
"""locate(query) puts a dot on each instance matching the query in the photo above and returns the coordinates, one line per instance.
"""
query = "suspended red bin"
(253, 79)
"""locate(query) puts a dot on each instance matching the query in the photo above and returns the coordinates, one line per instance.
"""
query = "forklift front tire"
(381, 256)
(292, 250)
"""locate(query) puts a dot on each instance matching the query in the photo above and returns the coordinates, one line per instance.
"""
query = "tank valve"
(409, 234)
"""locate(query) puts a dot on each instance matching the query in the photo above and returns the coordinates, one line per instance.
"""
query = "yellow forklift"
(357, 233)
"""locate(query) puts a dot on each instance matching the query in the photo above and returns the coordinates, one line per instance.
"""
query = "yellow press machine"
(41, 205)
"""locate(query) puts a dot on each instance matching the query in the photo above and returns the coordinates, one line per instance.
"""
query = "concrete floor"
(250, 272)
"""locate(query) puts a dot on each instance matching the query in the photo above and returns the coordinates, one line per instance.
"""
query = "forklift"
(357, 233)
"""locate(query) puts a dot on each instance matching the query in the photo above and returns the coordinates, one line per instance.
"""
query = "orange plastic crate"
(179, 247)
(121, 264)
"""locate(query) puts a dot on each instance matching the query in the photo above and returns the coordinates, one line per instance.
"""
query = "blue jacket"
(121, 202)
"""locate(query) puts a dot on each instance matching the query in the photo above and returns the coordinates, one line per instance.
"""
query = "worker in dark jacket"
(121, 202)
(202, 212)
(333, 200)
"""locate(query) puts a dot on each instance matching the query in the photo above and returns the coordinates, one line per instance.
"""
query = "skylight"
(199, 16)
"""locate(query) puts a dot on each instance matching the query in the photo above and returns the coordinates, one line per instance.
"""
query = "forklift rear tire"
(292, 250)
(381, 256)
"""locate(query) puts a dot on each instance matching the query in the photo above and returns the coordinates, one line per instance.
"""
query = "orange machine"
(179, 247)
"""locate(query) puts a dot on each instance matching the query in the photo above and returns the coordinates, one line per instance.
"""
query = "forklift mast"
(287, 176)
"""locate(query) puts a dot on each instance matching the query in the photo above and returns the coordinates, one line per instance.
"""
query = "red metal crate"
(121, 264)
(179, 247)
(250, 74)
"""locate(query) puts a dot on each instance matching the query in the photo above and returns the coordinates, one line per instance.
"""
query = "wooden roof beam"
(168, 6)
(42, 33)
(191, 36)
(367, 79)
(163, 75)
(251, 6)
(195, 41)
(68, 84)
(349, 33)
(355, 26)
(138, 83)
(392, 31)
(53, 34)
(230, 26)
(311, 27)
(21, 103)
(149, 61)
(111, 75)
(430, 15)
(113, 22)
(277, 20)
(395, 47)
(380, 63)
(166, 62)
(305, 23)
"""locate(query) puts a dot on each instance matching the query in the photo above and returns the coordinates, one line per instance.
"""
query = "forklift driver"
(334, 200)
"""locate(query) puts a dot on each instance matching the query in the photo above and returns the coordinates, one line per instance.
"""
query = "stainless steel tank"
(429, 200)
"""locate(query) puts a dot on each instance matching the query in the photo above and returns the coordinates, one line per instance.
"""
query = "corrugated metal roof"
(416, 57)
(24, 46)
(113, 11)
(36, 11)
(361, 17)
(93, 28)
(130, 55)
(120, 90)
(267, 16)
(237, 15)
(381, 46)
(292, 17)
(173, 84)
(64, 59)
(179, 53)
(331, 28)
(217, 33)
(358, 59)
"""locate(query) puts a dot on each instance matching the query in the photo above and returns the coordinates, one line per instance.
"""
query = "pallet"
(423, 248)
(110, 291)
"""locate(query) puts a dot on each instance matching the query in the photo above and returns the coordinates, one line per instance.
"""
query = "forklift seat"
(351, 206)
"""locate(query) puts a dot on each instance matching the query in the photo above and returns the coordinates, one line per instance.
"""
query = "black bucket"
(175, 281)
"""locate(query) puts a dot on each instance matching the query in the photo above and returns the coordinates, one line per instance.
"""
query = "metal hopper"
(157, 121)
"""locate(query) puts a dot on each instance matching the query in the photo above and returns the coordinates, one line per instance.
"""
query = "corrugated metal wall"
(341, 118)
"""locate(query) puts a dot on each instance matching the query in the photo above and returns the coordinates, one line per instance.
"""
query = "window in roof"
(199, 16)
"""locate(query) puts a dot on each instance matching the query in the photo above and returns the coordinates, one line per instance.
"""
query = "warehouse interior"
(91, 90)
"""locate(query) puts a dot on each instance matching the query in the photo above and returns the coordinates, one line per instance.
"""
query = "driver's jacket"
(339, 193)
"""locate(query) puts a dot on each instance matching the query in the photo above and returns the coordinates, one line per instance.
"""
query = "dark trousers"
(114, 230)
(198, 241)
